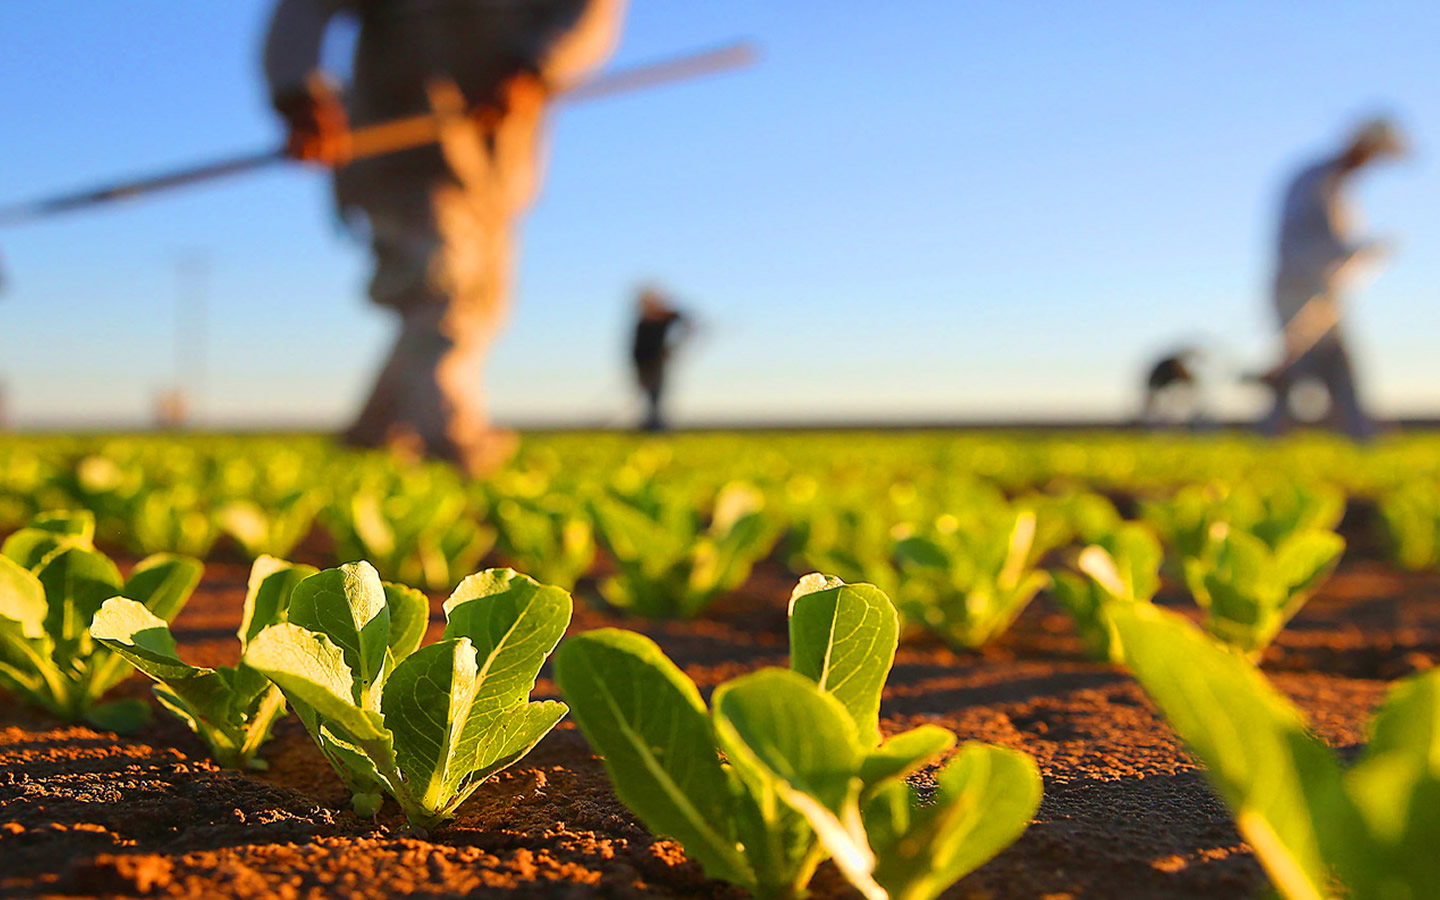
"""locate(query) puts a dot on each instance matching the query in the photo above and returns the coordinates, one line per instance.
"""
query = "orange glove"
(319, 128)
(522, 94)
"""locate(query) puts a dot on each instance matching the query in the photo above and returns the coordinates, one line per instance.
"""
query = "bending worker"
(1172, 390)
(654, 342)
(1319, 259)
(441, 218)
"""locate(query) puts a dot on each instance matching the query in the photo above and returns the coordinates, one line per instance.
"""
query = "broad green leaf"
(347, 605)
(509, 736)
(646, 718)
(985, 798)
(778, 723)
(371, 526)
(164, 582)
(426, 702)
(70, 523)
(904, 753)
(47, 533)
(76, 582)
(349, 760)
(27, 670)
(29, 547)
(310, 668)
(129, 627)
(789, 739)
(1097, 562)
(1307, 558)
(1138, 555)
(1279, 781)
(267, 594)
(1396, 790)
(22, 598)
(409, 617)
(143, 639)
(514, 623)
(843, 638)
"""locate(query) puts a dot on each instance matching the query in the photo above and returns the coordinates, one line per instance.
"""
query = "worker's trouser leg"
(1335, 371)
(652, 381)
(1328, 362)
(443, 263)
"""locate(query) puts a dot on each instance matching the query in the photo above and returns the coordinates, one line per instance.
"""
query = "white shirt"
(1317, 242)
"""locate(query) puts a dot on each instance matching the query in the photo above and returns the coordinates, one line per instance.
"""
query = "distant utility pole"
(181, 404)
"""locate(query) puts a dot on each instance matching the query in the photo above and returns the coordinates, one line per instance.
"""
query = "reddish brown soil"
(1126, 813)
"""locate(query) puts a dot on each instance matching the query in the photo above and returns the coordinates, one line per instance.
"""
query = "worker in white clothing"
(1319, 259)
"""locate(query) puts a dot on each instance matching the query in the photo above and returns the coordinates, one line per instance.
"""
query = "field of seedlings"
(879, 665)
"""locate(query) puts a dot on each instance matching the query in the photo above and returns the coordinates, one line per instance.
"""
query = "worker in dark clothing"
(659, 331)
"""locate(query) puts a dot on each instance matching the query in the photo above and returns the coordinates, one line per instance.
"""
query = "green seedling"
(171, 518)
(553, 540)
(1122, 567)
(1270, 511)
(788, 767)
(1249, 591)
(968, 583)
(425, 725)
(1062, 519)
(1412, 524)
(1374, 827)
(52, 581)
(1274, 512)
(230, 708)
(423, 535)
(668, 567)
(270, 529)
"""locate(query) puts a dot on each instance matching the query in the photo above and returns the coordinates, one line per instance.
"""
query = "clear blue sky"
(918, 208)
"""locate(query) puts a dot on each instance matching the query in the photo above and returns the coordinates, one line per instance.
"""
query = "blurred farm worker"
(1320, 258)
(659, 331)
(1172, 390)
(440, 219)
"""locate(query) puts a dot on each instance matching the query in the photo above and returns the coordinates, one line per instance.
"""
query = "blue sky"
(919, 209)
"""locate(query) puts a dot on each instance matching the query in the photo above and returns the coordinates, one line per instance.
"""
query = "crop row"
(781, 770)
(659, 533)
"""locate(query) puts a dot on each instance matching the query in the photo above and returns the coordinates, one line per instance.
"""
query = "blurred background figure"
(1172, 391)
(172, 409)
(440, 219)
(1320, 259)
(659, 332)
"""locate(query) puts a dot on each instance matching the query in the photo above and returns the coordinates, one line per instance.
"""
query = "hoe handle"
(385, 137)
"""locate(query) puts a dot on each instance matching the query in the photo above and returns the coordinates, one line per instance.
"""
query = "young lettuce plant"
(230, 708)
(1123, 566)
(1374, 826)
(425, 725)
(173, 518)
(551, 538)
(787, 766)
(668, 570)
(1412, 524)
(970, 581)
(1275, 511)
(417, 532)
(273, 528)
(52, 580)
(1249, 591)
